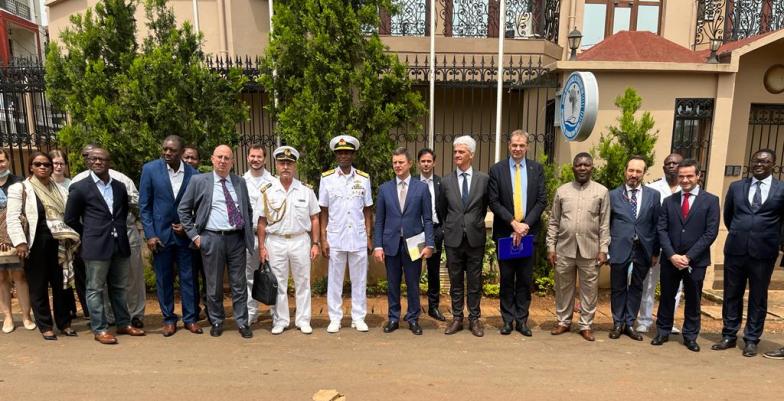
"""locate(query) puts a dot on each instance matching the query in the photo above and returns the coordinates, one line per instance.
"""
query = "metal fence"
(766, 131)
(731, 20)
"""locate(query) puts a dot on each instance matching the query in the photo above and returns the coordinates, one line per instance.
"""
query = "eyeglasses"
(99, 159)
(42, 164)
(58, 164)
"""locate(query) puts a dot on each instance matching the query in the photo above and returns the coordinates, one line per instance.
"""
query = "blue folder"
(507, 251)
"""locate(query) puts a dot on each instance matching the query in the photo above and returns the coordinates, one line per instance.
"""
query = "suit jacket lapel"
(694, 205)
(679, 197)
(115, 199)
(745, 194)
(185, 179)
(96, 192)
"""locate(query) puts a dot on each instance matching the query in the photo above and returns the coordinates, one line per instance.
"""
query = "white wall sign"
(579, 106)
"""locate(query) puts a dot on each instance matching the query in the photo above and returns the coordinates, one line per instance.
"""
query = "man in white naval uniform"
(136, 292)
(666, 186)
(256, 177)
(345, 199)
(288, 233)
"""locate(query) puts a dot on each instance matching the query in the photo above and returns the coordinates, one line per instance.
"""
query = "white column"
(432, 76)
(196, 15)
(499, 99)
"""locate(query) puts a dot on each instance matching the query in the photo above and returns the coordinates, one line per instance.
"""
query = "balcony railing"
(16, 7)
(732, 20)
(529, 19)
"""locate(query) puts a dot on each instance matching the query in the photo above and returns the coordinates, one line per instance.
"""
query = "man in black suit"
(688, 225)
(463, 207)
(97, 208)
(753, 211)
(517, 197)
(426, 161)
(633, 239)
(215, 212)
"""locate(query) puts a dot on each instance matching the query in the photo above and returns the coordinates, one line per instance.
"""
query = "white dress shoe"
(305, 329)
(641, 329)
(676, 330)
(277, 329)
(29, 324)
(333, 327)
(8, 326)
(360, 325)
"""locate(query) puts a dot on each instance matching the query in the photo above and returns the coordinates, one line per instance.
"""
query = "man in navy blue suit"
(753, 211)
(403, 210)
(688, 225)
(162, 185)
(633, 239)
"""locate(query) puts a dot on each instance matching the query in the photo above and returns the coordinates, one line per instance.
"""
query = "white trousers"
(645, 317)
(251, 264)
(357, 268)
(290, 254)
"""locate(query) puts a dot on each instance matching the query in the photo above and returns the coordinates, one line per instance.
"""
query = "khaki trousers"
(567, 271)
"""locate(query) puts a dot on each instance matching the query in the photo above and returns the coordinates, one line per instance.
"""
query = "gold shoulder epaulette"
(362, 173)
(265, 187)
(307, 185)
(328, 172)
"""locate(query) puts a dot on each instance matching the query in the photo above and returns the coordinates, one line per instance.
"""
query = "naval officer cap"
(344, 142)
(285, 153)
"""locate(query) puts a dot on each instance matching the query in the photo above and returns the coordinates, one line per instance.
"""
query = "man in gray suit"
(463, 207)
(216, 213)
(633, 239)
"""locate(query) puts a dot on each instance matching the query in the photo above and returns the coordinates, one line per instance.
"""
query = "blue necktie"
(756, 202)
(633, 201)
(464, 195)
(235, 217)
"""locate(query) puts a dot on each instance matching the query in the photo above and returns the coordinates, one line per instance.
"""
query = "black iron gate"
(766, 130)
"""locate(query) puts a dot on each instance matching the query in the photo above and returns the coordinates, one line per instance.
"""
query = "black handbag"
(265, 285)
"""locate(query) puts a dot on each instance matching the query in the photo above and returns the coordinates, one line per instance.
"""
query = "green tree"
(128, 99)
(334, 77)
(631, 137)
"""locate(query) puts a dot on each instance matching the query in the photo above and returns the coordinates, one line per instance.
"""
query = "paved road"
(377, 366)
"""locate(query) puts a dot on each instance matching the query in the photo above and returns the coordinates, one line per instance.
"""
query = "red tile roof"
(640, 46)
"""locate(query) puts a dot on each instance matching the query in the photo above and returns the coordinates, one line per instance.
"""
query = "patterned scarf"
(68, 239)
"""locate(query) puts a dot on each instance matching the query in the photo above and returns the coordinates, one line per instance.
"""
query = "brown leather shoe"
(560, 329)
(193, 328)
(105, 338)
(169, 329)
(131, 331)
(587, 335)
(476, 328)
(455, 326)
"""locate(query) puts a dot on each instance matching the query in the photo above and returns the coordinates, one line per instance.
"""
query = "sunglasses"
(42, 164)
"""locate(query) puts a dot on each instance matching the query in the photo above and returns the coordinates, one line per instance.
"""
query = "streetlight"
(574, 39)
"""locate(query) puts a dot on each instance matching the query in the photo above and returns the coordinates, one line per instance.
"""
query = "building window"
(602, 18)
(411, 19)
(692, 131)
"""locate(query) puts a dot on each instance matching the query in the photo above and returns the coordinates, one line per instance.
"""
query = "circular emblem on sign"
(579, 105)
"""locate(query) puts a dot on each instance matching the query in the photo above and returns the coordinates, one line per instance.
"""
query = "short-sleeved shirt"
(346, 196)
(287, 212)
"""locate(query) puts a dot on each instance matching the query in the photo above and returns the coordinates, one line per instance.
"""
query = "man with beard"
(578, 237)
(256, 178)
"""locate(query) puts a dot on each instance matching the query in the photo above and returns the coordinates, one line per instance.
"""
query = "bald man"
(216, 213)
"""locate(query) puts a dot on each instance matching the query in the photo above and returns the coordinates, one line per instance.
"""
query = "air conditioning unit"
(524, 25)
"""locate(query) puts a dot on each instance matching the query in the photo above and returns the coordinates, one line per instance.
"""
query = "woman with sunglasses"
(48, 245)
(10, 265)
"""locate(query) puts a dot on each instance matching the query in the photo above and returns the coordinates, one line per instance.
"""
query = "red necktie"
(685, 205)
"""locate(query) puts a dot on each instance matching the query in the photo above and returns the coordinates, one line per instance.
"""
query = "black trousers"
(464, 264)
(517, 280)
(737, 271)
(692, 291)
(80, 282)
(43, 270)
(433, 280)
(200, 281)
(626, 294)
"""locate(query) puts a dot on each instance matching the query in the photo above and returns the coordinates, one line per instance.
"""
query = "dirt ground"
(378, 366)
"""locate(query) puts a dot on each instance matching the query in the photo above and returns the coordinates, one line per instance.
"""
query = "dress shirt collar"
(180, 169)
(426, 179)
(407, 180)
(350, 173)
(512, 163)
(767, 181)
(97, 179)
(694, 192)
(217, 177)
(470, 171)
(629, 189)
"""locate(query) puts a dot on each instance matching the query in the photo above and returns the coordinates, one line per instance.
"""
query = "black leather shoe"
(216, 330)
(391, 326)
(436, 314)
(246, 332)
(750, 349)
(725, 343)
(629, 331)
(615, 333)
(659, 340)
(691, 345)
(776, 354)
(506, 329)
(415, 327)
(136, 322)
(49, 337)
(523, 329)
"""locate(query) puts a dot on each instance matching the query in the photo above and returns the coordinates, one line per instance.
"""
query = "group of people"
(83, 232)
